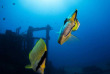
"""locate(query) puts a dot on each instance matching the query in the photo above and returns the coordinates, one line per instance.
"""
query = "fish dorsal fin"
(28, 67)
(73, 16)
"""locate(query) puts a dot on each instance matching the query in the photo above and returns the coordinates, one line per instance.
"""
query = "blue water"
(93, 47)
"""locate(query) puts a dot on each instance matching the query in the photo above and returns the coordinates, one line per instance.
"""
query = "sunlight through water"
(41, 6)
(49, 7)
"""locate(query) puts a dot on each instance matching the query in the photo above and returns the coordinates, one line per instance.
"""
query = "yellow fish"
(70, 24)
(37, 57)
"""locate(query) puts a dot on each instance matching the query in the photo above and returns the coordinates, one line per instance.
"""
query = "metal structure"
(28, 39)
(31, 30)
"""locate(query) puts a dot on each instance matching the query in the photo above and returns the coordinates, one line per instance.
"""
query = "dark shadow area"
(12, 55)
(95, 70)
(15, 48)
(92, 70)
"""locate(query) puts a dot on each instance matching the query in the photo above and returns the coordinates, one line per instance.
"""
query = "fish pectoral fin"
(28, 66)
(74, 38)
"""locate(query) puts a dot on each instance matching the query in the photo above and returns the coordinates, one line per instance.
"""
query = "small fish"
(13, 3)
(3, 19)
(70, 24)
(2, 6)
(37, 57)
